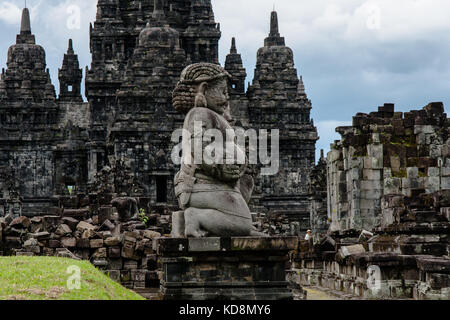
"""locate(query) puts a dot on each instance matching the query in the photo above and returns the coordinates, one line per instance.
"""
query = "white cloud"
(9, 13)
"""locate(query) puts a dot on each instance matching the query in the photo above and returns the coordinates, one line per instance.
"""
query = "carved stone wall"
(386, 153)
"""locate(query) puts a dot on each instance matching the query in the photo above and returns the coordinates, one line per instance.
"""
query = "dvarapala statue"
(213, 194)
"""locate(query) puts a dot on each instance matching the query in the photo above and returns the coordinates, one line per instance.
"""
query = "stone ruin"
(92, 180)
(388, 196)
(139, 49)
(386, 153)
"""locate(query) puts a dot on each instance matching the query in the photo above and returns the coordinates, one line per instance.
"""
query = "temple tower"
(145, 119)
(113, 38)
(201, 38)
(234, 66)
(26, 76)
(29, 116)
(238, 98)
(70, 76)
(277, 100)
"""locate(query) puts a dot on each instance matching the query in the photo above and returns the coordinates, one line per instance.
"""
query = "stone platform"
(247, 268)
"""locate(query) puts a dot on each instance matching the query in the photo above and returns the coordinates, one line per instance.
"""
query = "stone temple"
(53, 145)
(95, 181)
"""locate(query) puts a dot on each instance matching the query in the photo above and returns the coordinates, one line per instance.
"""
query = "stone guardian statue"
(213, 196)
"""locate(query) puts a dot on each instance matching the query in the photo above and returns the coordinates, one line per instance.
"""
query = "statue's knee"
(189, 214)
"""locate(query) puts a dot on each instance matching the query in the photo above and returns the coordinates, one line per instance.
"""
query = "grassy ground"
(43, 278)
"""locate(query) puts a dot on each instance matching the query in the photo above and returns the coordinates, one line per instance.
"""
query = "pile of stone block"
(122, 249)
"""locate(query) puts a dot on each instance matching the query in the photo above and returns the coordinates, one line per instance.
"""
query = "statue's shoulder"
(200, 114)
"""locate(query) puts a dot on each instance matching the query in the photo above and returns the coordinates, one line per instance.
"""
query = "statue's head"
(202, 85)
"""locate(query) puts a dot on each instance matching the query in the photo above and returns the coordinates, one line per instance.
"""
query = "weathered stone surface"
(100, 253)
(63, 230)
(71, 222)
(126, 206)
(149, 234)
(113, 241)
(347, 251)
(257, 243)
(395, 156)
(96, 243)
(30, 242)
(78, 214)
(40, 236)
(83, 226)
(20, 223)
(69, 242)
(204, 244)
(256, 273)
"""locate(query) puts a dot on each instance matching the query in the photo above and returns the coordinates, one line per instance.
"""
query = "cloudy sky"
(354, 55)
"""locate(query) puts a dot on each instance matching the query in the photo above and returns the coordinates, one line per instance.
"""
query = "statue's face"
(217, 97)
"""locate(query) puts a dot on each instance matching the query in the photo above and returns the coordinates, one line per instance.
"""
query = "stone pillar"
(240, 268)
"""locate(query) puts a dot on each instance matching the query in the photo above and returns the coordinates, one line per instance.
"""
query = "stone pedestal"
(241, 268)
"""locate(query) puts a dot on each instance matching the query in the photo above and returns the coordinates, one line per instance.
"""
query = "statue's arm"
(222, 172)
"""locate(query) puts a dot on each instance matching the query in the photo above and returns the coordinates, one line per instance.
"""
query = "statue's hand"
(231, 172)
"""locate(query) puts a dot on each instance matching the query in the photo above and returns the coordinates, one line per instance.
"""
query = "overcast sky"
(354, 55)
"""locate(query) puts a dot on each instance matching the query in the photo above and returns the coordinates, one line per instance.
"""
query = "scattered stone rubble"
(106, 228)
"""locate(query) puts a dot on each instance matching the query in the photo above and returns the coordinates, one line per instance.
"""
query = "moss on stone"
(399, 174)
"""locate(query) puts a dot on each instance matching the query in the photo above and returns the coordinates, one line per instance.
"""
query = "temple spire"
(234, 66)
(25, 26)
(70, 76)
(70, 48)
(158, 11)
(274, 38)
(301, 87)
(233, 45)
(274, 31)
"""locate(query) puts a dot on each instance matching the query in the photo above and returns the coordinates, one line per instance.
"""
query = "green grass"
(46, 278)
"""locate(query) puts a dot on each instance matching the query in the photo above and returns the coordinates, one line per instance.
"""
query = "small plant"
(143, 217)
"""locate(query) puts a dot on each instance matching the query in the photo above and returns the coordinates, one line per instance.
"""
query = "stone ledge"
(227, 294)
(234, 244)
(225, 268)
(224, 284)
(434, 264)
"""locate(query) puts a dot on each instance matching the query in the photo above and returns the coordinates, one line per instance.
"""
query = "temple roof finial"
(274, 38)
(233, 45)
(158, 10)
(70, 49)
(274, 31)
(25, 26)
